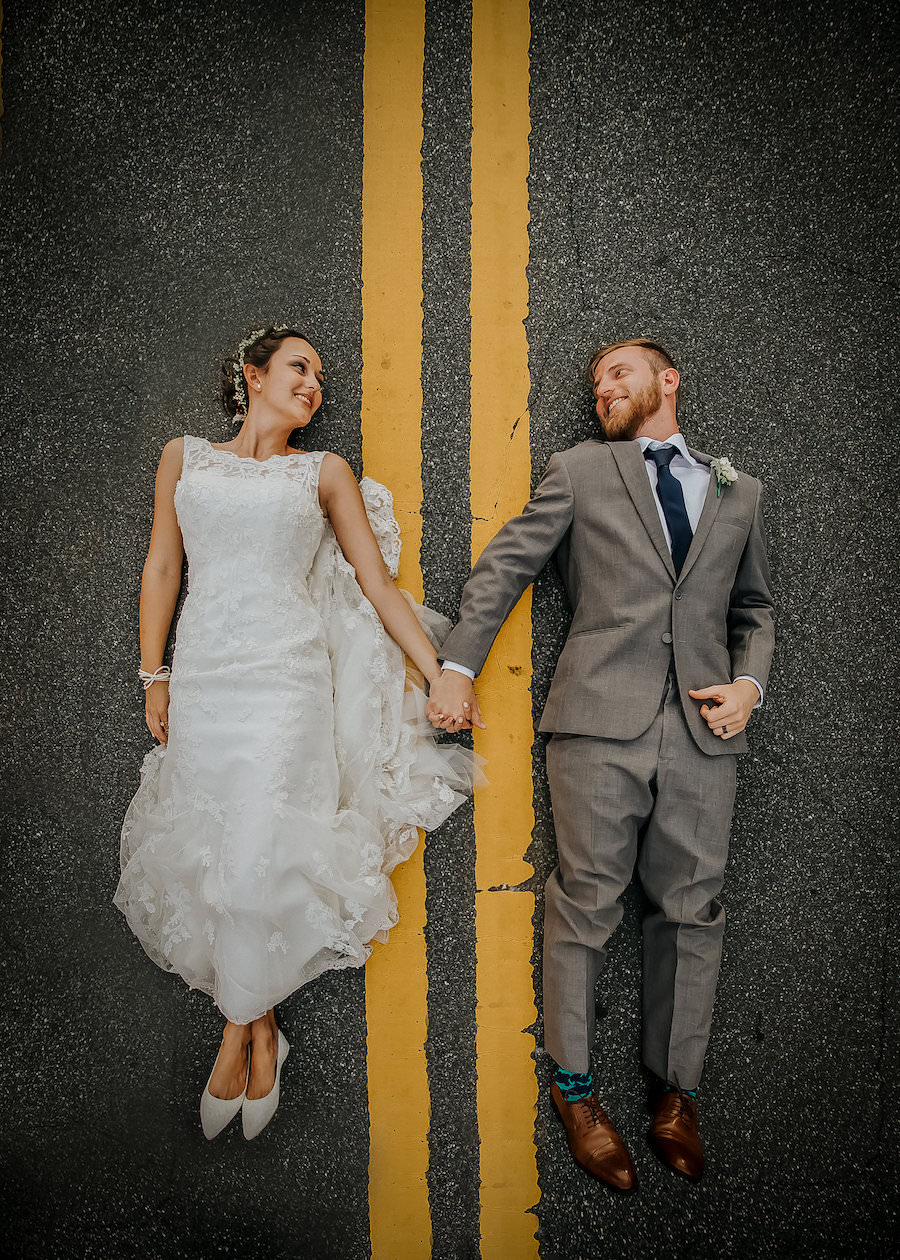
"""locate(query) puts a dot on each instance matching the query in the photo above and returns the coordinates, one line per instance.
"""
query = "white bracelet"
(159, 675)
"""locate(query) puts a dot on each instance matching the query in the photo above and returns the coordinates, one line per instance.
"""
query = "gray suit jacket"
(594, 509)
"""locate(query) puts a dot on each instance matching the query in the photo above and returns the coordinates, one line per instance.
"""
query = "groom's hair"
(659, 358)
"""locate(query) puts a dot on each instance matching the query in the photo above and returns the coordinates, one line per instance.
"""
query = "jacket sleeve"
(751, 611)
(509, 563)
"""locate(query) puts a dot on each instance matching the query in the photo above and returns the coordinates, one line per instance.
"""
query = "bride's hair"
(257, 348)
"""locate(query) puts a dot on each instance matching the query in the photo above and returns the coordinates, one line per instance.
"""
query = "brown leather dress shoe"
(675, 1135)
(593, 1141)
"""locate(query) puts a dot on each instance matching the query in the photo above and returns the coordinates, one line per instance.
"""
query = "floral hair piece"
(240, 385)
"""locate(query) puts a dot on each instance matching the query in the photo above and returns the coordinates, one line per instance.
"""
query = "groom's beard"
(623, 423)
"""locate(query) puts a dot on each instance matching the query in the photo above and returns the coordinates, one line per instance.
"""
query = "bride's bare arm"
(341, 500)
(161, 583)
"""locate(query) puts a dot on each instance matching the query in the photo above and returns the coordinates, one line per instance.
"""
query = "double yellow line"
(396, 977)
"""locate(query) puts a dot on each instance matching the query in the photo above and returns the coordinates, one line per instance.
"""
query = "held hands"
(452, 705)
(156, 710)
(733, 704)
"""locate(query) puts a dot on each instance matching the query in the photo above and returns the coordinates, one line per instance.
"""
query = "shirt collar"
(676, 440)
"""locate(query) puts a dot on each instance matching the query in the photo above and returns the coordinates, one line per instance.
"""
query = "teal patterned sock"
(691, 1093)
(573, 1085)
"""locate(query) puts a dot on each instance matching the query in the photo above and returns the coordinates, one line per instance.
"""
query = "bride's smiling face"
(291, 381)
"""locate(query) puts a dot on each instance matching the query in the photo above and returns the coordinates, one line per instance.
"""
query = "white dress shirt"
(693, 477)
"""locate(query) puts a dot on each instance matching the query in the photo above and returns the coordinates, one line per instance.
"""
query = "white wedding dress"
(257, 851)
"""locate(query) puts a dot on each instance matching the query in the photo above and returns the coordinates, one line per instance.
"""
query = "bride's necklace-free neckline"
(224, 450)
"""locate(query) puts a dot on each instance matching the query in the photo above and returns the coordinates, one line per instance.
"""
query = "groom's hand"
(731, 708)
(452, 705)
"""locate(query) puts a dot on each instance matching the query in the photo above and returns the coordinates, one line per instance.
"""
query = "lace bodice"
(249, 525)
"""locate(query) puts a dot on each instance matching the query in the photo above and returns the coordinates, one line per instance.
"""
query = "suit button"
(667, 638)
(678, 594)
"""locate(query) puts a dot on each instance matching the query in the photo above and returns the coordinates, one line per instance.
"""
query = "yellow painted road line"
(500, 485)
(396, 982)
(1, 71)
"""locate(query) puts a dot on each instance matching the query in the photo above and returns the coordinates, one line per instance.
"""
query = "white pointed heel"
(216, 1113)
(257, 1112)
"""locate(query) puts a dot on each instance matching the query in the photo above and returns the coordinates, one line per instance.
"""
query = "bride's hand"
(451, 703)
(156, 709)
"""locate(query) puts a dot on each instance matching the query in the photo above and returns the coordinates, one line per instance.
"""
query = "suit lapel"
(707, 517)
(630, 461)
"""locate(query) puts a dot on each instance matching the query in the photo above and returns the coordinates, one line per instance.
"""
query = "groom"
(663, 556)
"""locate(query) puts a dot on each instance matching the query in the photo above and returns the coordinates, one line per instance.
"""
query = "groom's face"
(627, 392)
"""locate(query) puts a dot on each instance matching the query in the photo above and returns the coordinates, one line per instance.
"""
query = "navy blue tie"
(671, 497)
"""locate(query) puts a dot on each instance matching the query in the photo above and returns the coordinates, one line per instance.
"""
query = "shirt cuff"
(461, 669)
(757, 685)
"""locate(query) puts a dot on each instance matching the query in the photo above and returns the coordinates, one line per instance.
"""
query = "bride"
(294, 762)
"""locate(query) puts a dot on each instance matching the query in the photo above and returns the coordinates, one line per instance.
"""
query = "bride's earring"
(259, 387)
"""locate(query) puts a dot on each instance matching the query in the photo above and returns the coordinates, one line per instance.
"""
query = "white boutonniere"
(726, 473)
